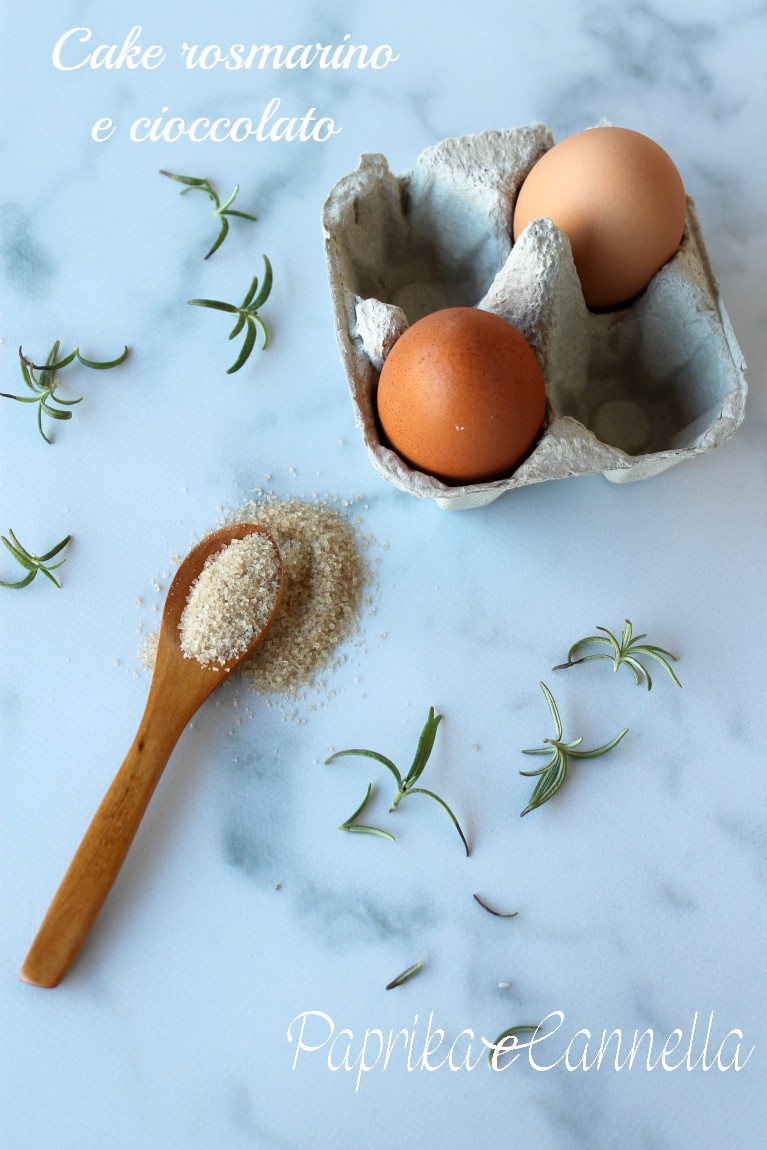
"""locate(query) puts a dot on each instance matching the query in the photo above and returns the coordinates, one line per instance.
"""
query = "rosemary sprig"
(43, 387)
(247, 315)
(406, 785)
(497, 913)
(33, 564)
(514, 1032)
(554, 772)
(406, 975)
(624, 652)
(220, 211)
(359, 828)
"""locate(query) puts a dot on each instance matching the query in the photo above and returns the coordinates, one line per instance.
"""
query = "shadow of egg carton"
(630, 392)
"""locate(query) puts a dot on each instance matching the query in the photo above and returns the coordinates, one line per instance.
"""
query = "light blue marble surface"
(640, 888)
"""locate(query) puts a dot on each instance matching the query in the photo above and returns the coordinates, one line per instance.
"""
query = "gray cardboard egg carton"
(630, 392)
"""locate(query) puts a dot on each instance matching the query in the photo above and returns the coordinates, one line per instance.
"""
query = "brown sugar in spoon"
(179, 686)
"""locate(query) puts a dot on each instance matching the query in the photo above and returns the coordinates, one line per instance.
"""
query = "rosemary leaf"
(193, 181)
(424, 748)
(247, 347)
(266, 286)
(102, 366)
(406, 975)
(359, 809)
(497, 913)
(223, 233)
(251, 293)
(19, 398)
(216, 304)
(514, 1032)
(360, 829)
(369, 755)
(262, 327)
(445, 807)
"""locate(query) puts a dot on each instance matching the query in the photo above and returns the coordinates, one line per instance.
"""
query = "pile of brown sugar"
(324, 579)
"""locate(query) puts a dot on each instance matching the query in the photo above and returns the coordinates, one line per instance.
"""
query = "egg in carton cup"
(630, 391)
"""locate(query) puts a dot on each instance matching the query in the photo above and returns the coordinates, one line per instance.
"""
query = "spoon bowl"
(189, 680)
(180, 684)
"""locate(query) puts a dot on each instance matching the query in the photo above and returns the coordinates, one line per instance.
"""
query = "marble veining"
(639, 45)
(27, 264)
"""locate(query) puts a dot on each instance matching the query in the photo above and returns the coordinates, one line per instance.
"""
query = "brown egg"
(620, 200)
(461, 396)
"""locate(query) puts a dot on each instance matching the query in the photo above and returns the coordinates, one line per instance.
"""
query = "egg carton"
(630, 392)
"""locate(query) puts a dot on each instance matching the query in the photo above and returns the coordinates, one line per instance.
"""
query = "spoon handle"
(101, 853)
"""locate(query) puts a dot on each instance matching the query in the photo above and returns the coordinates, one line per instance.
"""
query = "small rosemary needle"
(497, 913)
(406, 975)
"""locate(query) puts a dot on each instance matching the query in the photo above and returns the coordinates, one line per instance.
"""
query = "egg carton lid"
(630, 392)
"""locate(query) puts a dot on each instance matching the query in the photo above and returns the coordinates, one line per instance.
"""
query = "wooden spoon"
(179, 685)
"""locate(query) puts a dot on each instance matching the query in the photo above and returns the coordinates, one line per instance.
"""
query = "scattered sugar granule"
(231, 600)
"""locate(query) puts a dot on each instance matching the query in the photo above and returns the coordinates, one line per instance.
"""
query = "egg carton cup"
(630, 392)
